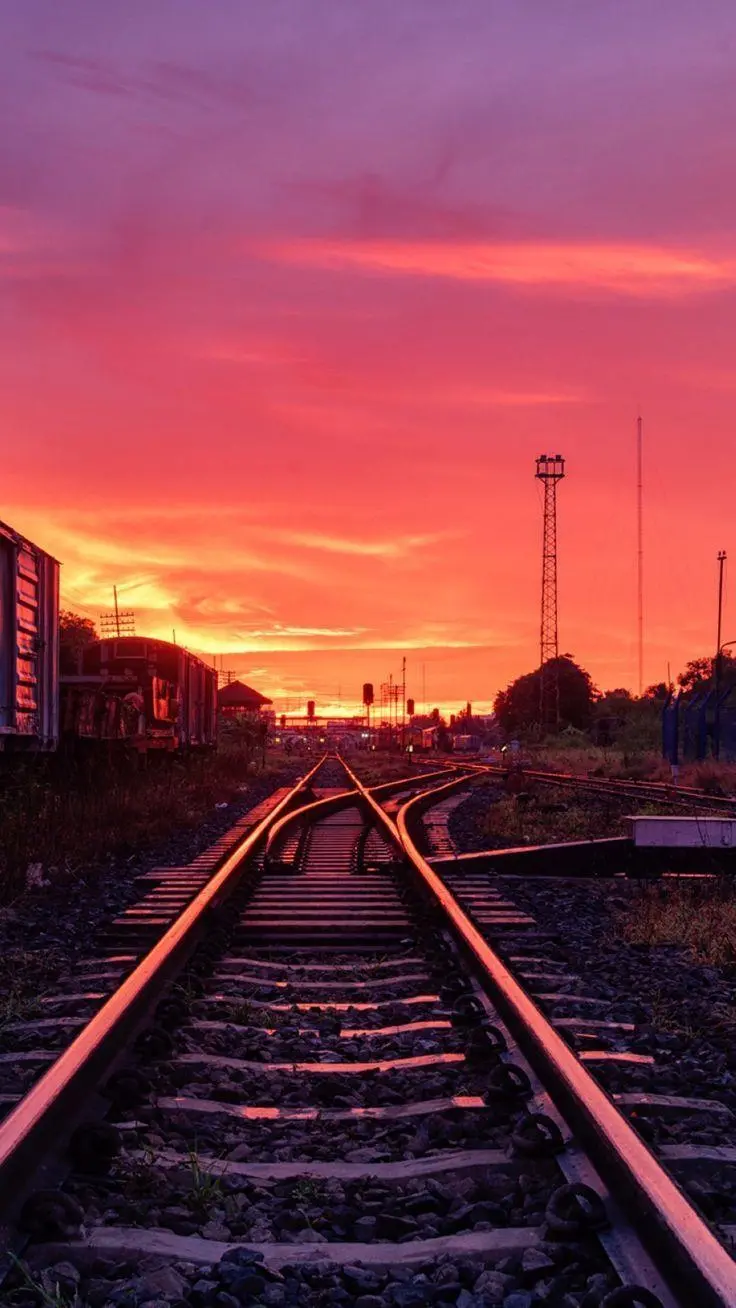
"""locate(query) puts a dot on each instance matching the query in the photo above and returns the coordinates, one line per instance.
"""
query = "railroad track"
(323, 1086)
(651, 791)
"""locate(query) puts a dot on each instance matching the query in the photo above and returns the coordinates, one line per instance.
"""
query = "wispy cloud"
(395, 548)
(486, 397)
(633, 270)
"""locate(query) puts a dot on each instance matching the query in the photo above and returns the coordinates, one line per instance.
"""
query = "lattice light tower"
(550, 470)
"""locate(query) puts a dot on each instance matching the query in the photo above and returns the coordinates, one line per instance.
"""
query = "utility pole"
(640, 549)
(550, 470)
(719, 657)
(121, 622)
(403, 702)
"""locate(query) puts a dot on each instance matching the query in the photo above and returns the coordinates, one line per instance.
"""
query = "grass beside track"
(57, 826)
(547, 814)
(583, 759)
(700, 918)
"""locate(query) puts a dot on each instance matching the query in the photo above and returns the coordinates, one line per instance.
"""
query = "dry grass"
(582, 759)
(549, 814)
(699, 918)
(64, 824)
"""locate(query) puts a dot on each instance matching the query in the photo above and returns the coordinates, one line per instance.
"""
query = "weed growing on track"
(701, 919)
(24, 979)
(65, 823)
(206, 1187)
(45, 1292)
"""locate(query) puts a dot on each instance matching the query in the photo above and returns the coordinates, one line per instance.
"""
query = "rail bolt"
(127, 1088)
(629, 1296)
(155, 1042)
(49, 1214)
(467, 1011)
(573, 1209)
(453, 987)
(171, 1012)
(485, 1042)
(507, 1081)
(94, 1146)
(537, 1136)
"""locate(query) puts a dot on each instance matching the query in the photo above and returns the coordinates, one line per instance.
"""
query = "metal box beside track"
(29, 644)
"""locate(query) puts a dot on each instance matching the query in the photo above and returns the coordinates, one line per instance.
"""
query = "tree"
(517, 707)
(659, 690)
(699, 674)
(74, 634)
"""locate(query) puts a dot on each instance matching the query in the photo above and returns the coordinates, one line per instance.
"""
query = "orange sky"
(291, 296)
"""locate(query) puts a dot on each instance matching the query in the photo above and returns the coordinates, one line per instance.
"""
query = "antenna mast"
(640, 549)
(550, 470)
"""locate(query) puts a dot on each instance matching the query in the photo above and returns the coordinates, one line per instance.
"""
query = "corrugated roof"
(238, 695)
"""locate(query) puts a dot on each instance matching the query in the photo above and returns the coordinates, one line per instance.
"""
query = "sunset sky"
(292, 293)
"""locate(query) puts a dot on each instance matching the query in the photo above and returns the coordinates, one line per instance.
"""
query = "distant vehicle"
(466, 744)
(422, 739)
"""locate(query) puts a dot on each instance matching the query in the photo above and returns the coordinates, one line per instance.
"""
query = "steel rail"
(659, 791)
(331, 803)
(53, 1105)
(690, 1256)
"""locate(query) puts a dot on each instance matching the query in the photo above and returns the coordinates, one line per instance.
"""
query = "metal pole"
(117, 615)
(719, 659)
(403, 702)
(640, 550)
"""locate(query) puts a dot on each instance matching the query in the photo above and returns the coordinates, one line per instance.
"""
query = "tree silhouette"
(517, 707)
(74, 634)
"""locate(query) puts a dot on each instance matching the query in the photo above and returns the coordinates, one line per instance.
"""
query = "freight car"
(142, 694)
(29, 645)
(422, 740)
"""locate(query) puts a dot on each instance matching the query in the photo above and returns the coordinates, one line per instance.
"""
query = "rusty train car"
(130, 692)
(142, 694)
(29, 645)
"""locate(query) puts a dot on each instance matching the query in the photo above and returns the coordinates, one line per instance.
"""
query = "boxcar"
(147, 694)
(29, 645)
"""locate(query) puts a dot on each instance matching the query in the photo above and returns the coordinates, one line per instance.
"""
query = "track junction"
(319, 1065)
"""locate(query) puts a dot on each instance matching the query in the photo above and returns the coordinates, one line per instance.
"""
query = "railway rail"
(651, 791)
(323, 1085)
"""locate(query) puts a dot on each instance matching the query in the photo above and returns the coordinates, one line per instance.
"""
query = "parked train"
(147, 694)
(134, 692)
(422, 740)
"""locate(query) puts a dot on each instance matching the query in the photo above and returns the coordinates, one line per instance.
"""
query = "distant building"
(238, 698)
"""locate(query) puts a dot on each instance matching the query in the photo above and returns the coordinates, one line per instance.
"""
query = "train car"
(146, 694)
(29, 645)
(466, 744)
(422, 740)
